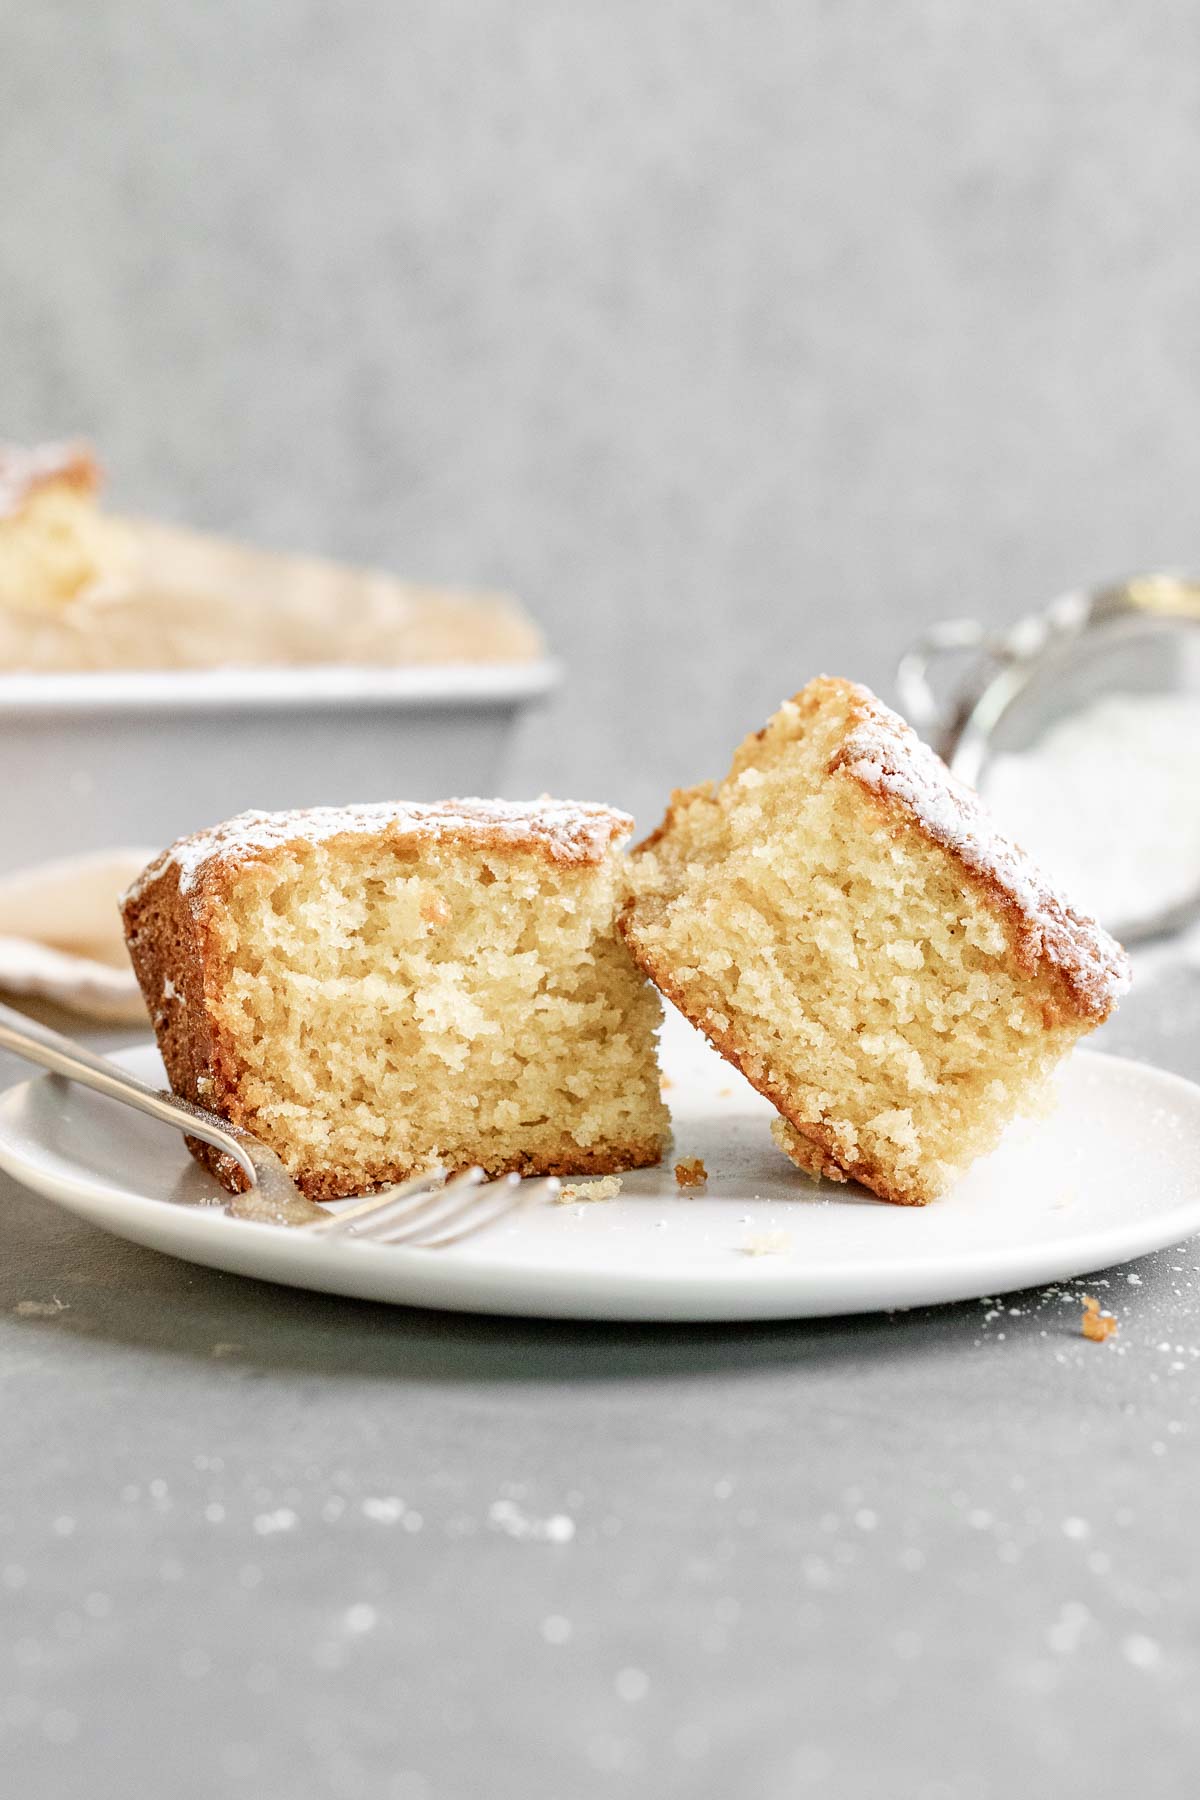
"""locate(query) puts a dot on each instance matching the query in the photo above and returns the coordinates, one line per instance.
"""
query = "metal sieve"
(1128, 650)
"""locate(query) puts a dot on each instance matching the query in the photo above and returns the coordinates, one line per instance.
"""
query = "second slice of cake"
(844, 922)
(378, 990)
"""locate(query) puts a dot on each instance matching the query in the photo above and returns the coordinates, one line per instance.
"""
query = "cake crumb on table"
(1097, 1325)
(40, 1309)
(691, 1172)
(605, 1189)
(767, 1243)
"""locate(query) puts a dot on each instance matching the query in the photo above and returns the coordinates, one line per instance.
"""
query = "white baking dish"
(91, 761)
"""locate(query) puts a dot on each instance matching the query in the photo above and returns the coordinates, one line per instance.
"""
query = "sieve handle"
(920, 702)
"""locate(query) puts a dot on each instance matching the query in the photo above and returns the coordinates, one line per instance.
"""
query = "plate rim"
(747, 1289)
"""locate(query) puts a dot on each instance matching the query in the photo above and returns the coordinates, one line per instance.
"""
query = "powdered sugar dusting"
(887, 758)
(567, 830)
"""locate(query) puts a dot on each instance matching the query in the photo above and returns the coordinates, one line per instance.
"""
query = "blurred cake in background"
(55, 543)
(81, 588)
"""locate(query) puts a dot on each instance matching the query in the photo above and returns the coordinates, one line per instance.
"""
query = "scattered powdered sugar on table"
(507, 1516)
(1109, 803)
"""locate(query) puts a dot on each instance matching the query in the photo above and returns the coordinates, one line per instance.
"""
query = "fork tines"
(430, 1213)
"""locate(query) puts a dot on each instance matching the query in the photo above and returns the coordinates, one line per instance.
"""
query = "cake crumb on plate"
(691, 1172)
(767, 1243)
(606, 1189)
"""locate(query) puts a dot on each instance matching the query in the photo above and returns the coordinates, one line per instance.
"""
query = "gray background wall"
(739, 339)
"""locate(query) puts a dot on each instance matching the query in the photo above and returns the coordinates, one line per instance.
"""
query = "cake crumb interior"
(389, 1010)
(844, 963)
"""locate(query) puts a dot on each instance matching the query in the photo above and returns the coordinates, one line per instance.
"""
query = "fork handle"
(38, 1044)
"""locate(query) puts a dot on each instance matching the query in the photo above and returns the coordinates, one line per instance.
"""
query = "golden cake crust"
(169, 916)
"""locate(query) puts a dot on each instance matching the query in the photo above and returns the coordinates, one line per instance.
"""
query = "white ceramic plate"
(1113, 1172)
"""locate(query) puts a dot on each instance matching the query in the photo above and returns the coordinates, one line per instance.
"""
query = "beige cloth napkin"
(61, 938)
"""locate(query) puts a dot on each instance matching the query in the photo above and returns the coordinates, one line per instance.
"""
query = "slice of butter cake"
(377, 990)
(82, 588)
(55, 543)
(844, 922)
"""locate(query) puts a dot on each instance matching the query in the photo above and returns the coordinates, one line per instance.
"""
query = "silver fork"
(429, 1212)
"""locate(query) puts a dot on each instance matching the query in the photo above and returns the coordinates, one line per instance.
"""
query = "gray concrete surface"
(273, 1544)
(740, 340)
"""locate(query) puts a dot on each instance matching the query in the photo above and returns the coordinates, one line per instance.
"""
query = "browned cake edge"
(24, 471)
(168, 918)
(325, 1183)
(166, 937)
